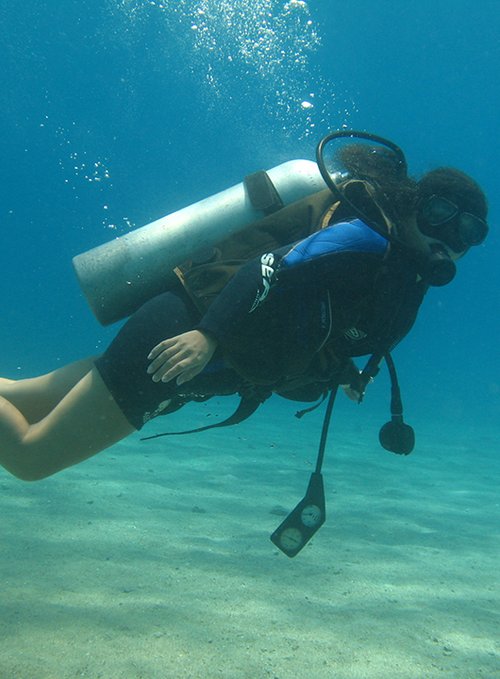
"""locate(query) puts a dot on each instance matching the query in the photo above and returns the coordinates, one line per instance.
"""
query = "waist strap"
(246, 407)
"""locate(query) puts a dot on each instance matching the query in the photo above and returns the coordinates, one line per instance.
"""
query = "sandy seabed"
(153, 560)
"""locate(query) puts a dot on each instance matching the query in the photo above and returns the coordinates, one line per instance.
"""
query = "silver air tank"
(119, 276)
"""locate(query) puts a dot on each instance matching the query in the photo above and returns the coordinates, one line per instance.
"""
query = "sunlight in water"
(239, 49)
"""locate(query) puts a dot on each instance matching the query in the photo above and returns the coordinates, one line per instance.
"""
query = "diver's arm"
(332, 257)
(184, 356)
(237, 300)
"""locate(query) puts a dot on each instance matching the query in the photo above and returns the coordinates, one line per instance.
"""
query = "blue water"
(115, 113)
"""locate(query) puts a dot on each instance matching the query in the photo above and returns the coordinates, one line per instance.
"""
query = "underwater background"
(153, 559)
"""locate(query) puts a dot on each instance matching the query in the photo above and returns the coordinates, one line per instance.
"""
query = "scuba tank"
(119, 276)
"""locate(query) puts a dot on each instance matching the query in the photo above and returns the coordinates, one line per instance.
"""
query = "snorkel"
(434, 263)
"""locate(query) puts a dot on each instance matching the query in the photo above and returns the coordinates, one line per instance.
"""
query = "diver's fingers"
(184, 370)
(173, 362)
(175, 371)
(187, 375)
(164, 345)
(188, 352)
(187, 342)
(167, 359)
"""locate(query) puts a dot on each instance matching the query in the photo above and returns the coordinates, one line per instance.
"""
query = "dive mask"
(441, 219)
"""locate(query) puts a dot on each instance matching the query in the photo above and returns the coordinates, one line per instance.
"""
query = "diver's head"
(450, 215)
(436, 220)
(451, 210)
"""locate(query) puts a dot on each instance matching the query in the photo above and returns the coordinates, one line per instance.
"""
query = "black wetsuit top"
(338, 294)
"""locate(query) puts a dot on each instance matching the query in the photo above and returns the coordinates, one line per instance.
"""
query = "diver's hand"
(181, 357)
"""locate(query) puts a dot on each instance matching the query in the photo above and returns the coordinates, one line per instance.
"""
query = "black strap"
(306, 411)
(262, 192)
(324, 430)
(396, 403)
(246, 407)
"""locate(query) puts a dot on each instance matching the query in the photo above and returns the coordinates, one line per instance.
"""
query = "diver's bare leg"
(86, 421)
(35, 397)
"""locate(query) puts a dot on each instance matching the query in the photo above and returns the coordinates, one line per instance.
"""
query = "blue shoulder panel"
(353, 236)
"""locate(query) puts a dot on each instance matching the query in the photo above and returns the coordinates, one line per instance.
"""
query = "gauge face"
(291, 538)
(311, 516)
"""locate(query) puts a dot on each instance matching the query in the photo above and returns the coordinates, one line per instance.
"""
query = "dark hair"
(398, 194)
(375, 162)
(457, 186)
(395, 192)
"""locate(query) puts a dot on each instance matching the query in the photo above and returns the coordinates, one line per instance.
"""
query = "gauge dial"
(290, 539)
(311, 516)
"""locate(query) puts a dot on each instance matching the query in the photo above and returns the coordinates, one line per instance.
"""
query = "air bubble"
(242, 49)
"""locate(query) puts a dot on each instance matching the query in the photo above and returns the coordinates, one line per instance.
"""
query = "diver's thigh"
(86, 421)
(35, 397)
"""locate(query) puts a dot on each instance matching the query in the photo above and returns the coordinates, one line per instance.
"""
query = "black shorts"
(123, 366)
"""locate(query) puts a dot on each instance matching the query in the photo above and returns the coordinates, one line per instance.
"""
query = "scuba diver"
(337, 275)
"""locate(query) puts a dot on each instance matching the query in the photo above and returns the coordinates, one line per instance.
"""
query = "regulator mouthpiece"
(439, 268)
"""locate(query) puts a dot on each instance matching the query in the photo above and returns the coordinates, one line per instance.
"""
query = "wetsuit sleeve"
(334, 258)
(237, 299)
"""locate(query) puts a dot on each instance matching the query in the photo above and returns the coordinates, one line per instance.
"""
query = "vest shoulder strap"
(204, 280)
